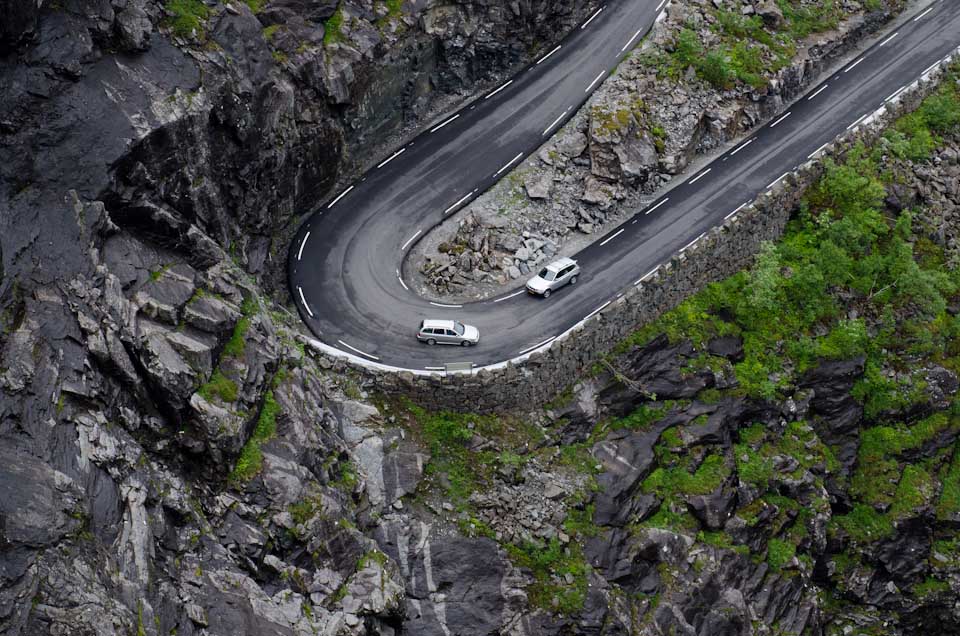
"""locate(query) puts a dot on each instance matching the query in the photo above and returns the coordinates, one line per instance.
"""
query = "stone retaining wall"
(722, 252)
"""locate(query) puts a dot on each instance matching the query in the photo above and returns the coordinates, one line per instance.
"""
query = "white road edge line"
(537, 346)
(902, 88)
(342, 194)
(743, 146)
(513, 295)
(512, 161)
(854, 124)
(596, 311)
(656, 206)
(392, 157)
(544, 58)
(890, 38)
(727, 218)
(587, 23)
(499, 89)
(302, 245)
(923, 14)
(556, 121)
(363, 353)
(692, 243)
(817, 151)
(660, 6)
(433, 130)
(435, 368)
(700, 176)
(635, 35)
(825, 87)
(594, 82)
(613, 236)
(457, 204)
(646, 276)
(778, 180)
(930, 68)
(854, 65)
(400, 278)
(304, 301)
(774, 124)
(446, 306)
(405, 245)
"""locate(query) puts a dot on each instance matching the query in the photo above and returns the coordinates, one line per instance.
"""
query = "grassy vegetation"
(551, 565)
(250, 461)
(188, 17)
(219, 387)
(333, 28)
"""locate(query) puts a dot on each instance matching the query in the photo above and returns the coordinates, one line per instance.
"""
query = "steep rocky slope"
(174, 461)
(705, 76)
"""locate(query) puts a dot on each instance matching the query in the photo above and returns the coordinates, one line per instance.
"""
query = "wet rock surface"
(174, 460)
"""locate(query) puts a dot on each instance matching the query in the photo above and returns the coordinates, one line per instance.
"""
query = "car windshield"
(459, 328)
(546, 274)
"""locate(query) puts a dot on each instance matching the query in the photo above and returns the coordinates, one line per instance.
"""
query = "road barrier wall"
(536, 378)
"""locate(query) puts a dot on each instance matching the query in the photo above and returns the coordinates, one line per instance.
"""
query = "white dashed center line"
(887, 41)
(592, 18)
(405, 245)
(635, 36)
(304, 301)
(853, 66)
(544, 58)
(823, 88)
(656, 206)
(392, 157)
(457, 204)
(512, 161)
(300, 253)
(774, 124)
(604, 242)
(433, 130)
(555, 122)
(700, 176)
(499, 89)
(743, 146)
(923, 14)
(594, 82)
(342, 194)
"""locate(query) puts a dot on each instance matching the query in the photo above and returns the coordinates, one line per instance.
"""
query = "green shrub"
(780, 553)
(864, 524)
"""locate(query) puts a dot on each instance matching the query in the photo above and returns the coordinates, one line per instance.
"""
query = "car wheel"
(546, 294)
(431, 342)
(573, 281)
(465, 343)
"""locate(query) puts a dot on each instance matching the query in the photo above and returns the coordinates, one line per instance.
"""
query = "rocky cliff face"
(173, 460)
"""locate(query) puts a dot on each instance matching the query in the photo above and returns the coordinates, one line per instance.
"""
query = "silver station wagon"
(561, 272)
(447, 332)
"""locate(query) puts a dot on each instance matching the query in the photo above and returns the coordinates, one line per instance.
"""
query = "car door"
(563, 276)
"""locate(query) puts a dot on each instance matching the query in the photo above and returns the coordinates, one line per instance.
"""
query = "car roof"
(437, 324)
(560, 263)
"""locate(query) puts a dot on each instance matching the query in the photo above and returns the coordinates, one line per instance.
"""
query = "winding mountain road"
(346, 261)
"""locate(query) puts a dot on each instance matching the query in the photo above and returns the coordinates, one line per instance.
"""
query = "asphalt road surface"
(346, 261)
